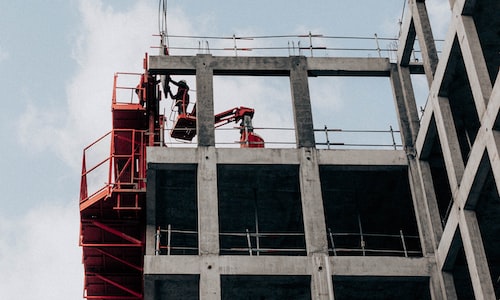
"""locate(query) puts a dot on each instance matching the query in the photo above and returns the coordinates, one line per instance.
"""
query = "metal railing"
(358, 244)
(255, 240)
(391, 138)
(351, 244)
(165, 246)
(326, 138)
(309, 44)
(116, 169)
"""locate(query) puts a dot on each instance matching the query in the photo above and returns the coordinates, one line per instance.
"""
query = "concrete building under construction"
(421, 221)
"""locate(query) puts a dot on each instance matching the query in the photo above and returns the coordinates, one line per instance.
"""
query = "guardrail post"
(249, 242)
(393, 138)
(169, 236)
(330, 234)
(403, 242)
(157, 241)
(327, 138)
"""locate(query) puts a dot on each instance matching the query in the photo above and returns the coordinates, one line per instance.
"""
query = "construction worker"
(182, 97)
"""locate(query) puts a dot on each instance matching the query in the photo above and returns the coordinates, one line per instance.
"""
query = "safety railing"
(326, 138)
(265, 243)
(388, 139)
(373, 244)
(253, 243)
(308, 44)
(165, 243)
(122, 167)
(126, 88)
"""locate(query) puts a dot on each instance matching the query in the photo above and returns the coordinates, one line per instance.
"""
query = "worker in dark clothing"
(182, 97)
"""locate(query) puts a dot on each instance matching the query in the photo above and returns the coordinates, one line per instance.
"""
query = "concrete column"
(304, 131)
(149, 288)
(399, 102)
(151, 212)
(312, 203)
(476, 257)
(425, 39)
(314, 225)
(205, 100)
(208, 209)
(321, 277)
(210, 278)
(208, 223)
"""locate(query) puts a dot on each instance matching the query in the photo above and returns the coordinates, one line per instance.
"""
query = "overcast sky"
(57, 60)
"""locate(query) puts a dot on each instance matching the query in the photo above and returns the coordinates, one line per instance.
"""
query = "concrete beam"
(271, 66)
(346, 66)
(290, 265)
(380, 266)
(228, 265)
(341, 157)
(362, 157)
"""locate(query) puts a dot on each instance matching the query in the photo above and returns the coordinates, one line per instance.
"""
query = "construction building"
(206, 222)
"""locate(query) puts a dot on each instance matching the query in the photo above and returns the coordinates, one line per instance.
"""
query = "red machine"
(185, 125)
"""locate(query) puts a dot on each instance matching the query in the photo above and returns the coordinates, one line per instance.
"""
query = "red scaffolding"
(112, 231)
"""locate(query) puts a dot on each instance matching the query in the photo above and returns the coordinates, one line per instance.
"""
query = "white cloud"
(3, 54)
(108, 42)
(39, 254)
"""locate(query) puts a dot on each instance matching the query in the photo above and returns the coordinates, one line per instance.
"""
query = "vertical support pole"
(249, 243)
(157, 241)
(330, 234)
(393, 139)
(403, 242)
(361, 237)
(235, 47)
(169, 237)
(299, 84)
(378, 46)
(257, 241)
(327, 138)
(310, 44)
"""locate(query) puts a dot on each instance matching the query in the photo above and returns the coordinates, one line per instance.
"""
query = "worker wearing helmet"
(182, 97)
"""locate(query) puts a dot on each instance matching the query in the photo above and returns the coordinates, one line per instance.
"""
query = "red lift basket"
(184, 128)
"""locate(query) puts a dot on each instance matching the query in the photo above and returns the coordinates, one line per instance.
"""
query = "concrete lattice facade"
(443, 187)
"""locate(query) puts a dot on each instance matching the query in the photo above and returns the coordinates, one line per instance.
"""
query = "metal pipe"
(157, 241)
(403, 242)
(249, 242)
(331, 242)
(169, 236)
(361, 235)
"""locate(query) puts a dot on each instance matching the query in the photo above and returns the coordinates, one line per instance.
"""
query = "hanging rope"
(162, 22)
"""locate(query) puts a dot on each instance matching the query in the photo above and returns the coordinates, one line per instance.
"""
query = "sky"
(57, 60)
